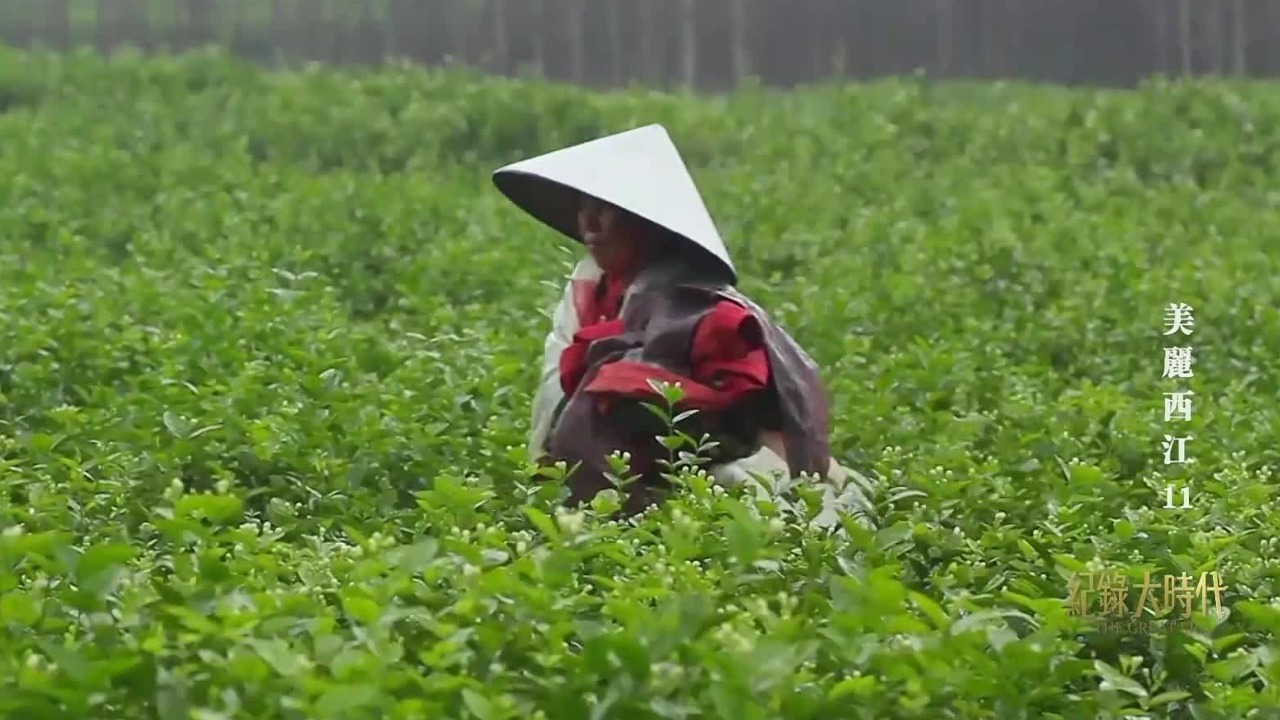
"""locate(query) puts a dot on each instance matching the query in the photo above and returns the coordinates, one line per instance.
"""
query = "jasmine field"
(271, 345)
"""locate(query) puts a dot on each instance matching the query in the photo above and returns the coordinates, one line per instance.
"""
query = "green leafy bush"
(269, 341)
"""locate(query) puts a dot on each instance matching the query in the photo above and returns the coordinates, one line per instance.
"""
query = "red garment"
(598, 301)
(727, 356)
(597, 305)
(573, 360)
(728, 362)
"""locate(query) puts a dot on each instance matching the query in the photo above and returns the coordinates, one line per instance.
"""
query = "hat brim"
(556, 205)
(551, 203)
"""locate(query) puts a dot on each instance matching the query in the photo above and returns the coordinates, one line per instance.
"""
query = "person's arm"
(728, 384)
(564, 323)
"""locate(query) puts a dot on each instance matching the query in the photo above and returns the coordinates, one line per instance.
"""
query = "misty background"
(703, 44)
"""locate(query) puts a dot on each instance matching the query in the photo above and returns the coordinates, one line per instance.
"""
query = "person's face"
(616, 240)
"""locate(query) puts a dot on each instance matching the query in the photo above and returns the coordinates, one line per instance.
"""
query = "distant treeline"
(707, 44)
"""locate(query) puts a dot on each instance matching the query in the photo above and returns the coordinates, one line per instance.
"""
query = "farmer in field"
(655, 300)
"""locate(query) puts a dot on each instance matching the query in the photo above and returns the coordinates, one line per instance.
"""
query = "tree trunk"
(989, 31)
(280, 32)
(648, 31)
(577, 41)
(201, 21)
(1160, 20)
(501, 56)
(58, 23)
(106, 27)
(689, 45)
(824, 23)
(539, 24)
(1015, 17)
(617, 56)
(235, 12)
(457, 21)
(1239, 39)
(1215, 30)
(1184, 37)
(944, 32)
(738, 29)
(121, 22)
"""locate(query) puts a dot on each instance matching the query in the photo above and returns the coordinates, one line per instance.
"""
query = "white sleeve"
(564, 323)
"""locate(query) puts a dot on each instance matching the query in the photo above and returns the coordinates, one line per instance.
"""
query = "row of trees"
(708, 44)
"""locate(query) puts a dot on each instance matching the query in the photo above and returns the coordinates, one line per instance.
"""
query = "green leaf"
(862, 685)
(100, 558)
(18, 608)
(478, 705)
(341, 700)
(542, 522)
(217, 509)
(1167, 698)
(362, 610)
(1112, 679)
(937, 616)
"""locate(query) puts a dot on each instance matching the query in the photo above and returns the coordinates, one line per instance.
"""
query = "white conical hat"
(638, 170)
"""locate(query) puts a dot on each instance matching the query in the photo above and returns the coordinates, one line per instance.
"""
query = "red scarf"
(598, 305)
(728, 357)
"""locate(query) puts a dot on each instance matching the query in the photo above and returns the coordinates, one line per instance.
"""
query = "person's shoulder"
(733, 294)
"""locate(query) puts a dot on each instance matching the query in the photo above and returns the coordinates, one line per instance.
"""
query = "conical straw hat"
(638, 170)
